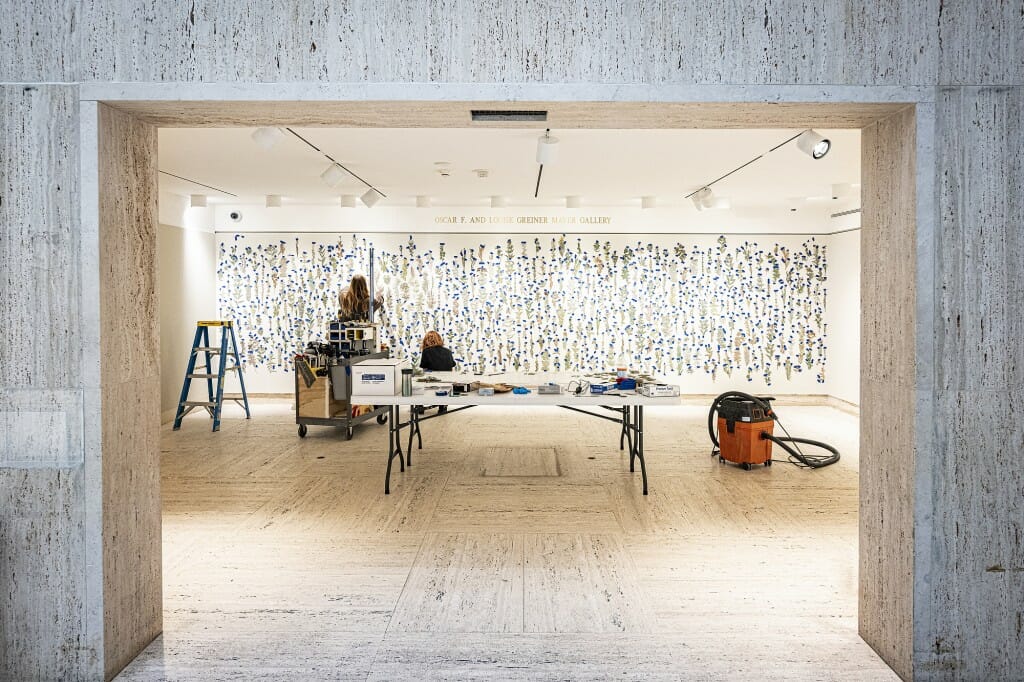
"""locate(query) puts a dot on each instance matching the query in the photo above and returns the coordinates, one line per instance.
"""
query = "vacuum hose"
(795, 455)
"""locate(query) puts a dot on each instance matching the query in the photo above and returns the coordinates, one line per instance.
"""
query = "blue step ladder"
(215, 395)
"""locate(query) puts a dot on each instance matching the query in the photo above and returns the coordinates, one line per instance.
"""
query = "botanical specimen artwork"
(544, 303)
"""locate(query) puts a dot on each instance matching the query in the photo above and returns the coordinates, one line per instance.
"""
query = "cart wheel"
(746, 466)
(768, 463)
(721, 460)
(348, 433)
(302, 430)
(382, 418)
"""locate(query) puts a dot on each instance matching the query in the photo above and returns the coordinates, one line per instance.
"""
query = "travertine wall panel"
(39, 242)
(982, 42)
(888, 250)
(659, 41)
(892, 42)
(972, 583)
(975, 569)
(42, 572)
(888, 332)
(130, 380)
(39, 41)
(44, 632)
(981, 256)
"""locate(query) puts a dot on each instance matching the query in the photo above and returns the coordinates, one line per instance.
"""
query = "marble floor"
(518, 547)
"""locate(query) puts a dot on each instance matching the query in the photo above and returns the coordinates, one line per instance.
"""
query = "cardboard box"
(378, 377)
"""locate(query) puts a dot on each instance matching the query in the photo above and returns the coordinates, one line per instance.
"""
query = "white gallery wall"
(843, 315)
(310, 228)
(187, 257)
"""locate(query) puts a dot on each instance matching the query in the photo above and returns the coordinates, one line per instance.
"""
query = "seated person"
(354, 300)
(435, 358)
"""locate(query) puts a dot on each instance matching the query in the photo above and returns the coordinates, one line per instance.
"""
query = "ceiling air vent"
(508, 115)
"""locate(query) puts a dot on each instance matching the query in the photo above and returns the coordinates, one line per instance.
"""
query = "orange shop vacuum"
(745, 430)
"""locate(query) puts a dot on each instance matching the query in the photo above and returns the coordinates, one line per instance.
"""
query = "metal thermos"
(406, 382)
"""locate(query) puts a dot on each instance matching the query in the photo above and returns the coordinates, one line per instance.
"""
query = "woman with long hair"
(435, 357)
(354, 300)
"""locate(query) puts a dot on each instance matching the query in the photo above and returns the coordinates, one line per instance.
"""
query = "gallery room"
(573, 307)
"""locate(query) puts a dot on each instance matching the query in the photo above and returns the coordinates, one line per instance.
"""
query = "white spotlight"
(572, 201)
(197, 200)
(348, 201)
(498, 201)
(703, 198)
(546, 148)
(423, 201)
(648, 201)
(273, 201)
(267, 137)
(333, 175)
(814, 145)
(370, 198)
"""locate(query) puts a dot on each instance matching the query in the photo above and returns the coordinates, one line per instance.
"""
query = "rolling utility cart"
(327, 400)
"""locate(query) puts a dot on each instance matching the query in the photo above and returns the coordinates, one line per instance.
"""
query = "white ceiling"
(603, 167)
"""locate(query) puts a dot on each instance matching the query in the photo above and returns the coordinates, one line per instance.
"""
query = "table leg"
(414, 429)
(633, 440)
(394, 445)
(625, 425)
(640, 444)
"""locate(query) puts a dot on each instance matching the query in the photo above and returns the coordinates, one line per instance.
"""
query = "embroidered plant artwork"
(545, 303)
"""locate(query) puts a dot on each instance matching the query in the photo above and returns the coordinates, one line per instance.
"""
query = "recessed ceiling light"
(572, 201)
(348, 201)
(197, 200)
(423, 201)
(498, 201)
(648, 201)
(273, 201)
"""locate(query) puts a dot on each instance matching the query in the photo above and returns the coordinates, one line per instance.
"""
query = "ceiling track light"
(267, 137)
(702, 198)
(814, 144)
(273, 201)
(546, 148)
(370, 197)
(808, 141)
(332, 175)
(335, 173)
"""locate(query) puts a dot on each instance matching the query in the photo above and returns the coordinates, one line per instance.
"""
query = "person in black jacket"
(435, 358)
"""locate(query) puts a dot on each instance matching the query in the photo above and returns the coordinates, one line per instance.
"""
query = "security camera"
(236, 216)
